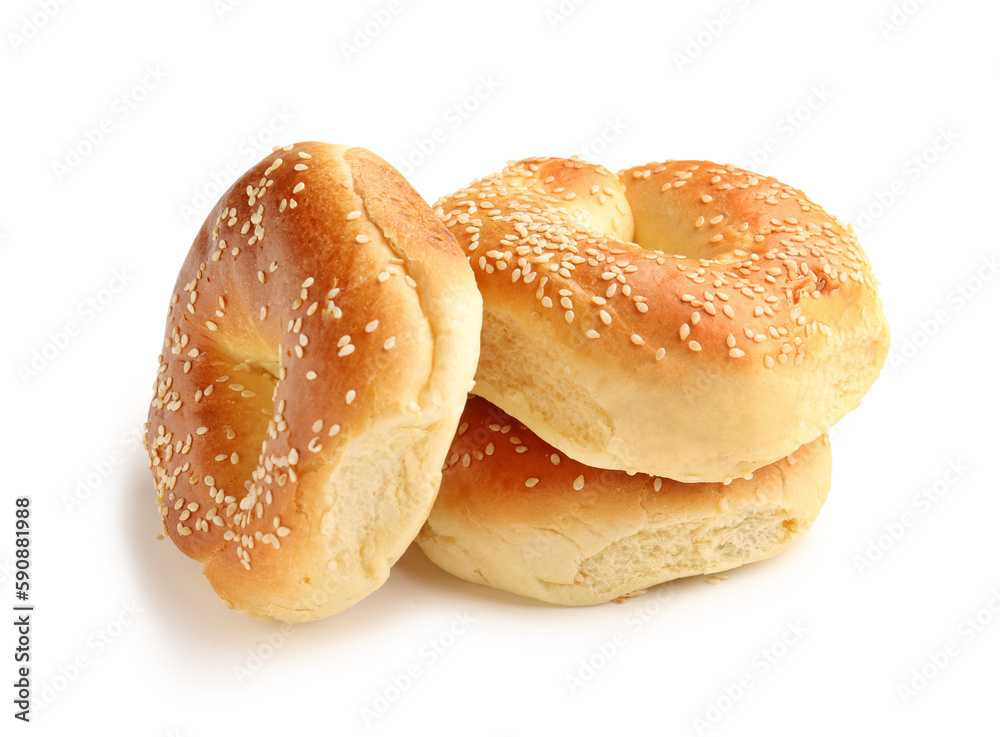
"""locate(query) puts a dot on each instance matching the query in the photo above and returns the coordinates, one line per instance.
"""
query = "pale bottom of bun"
(565, 533)
(690, 420)
(374, 500)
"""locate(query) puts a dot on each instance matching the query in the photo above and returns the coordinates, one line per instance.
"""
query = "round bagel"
(684, 319)
(321, 338)
(516, 514)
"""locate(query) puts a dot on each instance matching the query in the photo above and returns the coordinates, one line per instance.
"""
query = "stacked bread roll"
(656, 357)
(663, 351)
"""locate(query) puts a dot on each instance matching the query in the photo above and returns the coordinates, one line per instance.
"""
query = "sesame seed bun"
(685, 319)
(322, 336)
(516, 514)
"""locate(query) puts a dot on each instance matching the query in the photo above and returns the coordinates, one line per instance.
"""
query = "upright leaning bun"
(320, 342)
(516, 514)
(685, 319)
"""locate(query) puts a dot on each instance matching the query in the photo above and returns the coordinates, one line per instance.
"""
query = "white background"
(883, 112)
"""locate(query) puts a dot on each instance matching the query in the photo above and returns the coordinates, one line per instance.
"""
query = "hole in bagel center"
(253, 410)
(676, 230)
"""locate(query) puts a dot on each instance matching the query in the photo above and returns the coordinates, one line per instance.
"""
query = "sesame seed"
(346, 350)
(706, 198)
(736, 353)
(388, 345)
(371, 326)
(694, 345)
(637, 339)
(354, 214)
(298, 188)
(578, 482)
(531, 482)
(362, 238)
(311, 375)
(350, 396)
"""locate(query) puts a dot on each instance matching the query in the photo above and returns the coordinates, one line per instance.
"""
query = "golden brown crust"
(517, 514)
(743, 324)
(323, 319)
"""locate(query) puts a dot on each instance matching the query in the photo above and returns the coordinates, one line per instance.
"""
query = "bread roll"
(321, 338)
